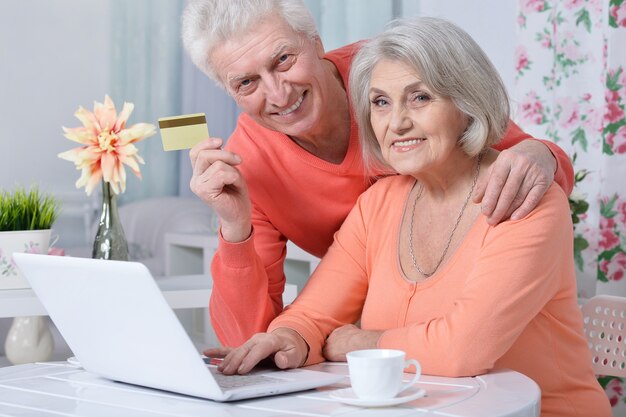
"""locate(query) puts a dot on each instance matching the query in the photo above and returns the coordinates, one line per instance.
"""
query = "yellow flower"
(107, 145)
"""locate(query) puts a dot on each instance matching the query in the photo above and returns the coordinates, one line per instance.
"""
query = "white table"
(58, 389)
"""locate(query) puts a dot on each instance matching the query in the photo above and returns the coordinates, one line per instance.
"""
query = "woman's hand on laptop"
(289, 349)
(217, 352)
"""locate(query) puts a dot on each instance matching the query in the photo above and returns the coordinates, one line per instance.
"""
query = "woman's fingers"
(287, 353)
(217, 352)
(242, 359)
(288, 359)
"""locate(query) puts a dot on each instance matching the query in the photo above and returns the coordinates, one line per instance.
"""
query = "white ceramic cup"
(376, 374)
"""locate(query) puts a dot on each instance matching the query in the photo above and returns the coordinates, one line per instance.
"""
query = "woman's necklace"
(456, 224)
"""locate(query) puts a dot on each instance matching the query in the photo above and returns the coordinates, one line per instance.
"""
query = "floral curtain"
(571, 88)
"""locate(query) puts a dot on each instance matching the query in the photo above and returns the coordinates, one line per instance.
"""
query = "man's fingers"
(479, 190)
(517, 181)
(531, 201)
(505, 198)
(207, 144)
(209, 151)
(523, 193)
(496, 181)
(206, 158)
(219, 173)
(212, 182)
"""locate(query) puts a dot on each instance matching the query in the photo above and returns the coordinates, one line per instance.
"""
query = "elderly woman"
(417, 261)
(292, 169)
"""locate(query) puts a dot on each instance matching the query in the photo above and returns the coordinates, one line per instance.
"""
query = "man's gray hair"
(207, 23)
(450, 63)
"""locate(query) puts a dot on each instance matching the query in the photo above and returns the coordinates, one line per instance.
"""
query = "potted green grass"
(26, 218)
(21, 210)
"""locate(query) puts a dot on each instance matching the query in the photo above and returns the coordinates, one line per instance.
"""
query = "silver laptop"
(116, 321)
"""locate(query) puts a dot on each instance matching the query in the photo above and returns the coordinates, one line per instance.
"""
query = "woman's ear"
(319, 47)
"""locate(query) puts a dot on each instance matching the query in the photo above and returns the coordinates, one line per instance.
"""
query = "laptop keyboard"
(237, 381)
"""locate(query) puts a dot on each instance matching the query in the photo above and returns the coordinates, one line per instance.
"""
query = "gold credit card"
(183, 132)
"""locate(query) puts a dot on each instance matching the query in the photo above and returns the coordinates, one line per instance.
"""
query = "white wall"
(54, 56)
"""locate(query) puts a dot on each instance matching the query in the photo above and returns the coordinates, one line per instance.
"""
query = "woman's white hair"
(450, 63)
(207, 23)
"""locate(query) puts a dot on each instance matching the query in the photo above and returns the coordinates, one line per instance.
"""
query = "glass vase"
(110, 242)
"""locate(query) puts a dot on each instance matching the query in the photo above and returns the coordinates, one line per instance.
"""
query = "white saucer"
(347, 396)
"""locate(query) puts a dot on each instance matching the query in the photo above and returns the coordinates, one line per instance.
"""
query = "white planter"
(29, 340)
(31, 241)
